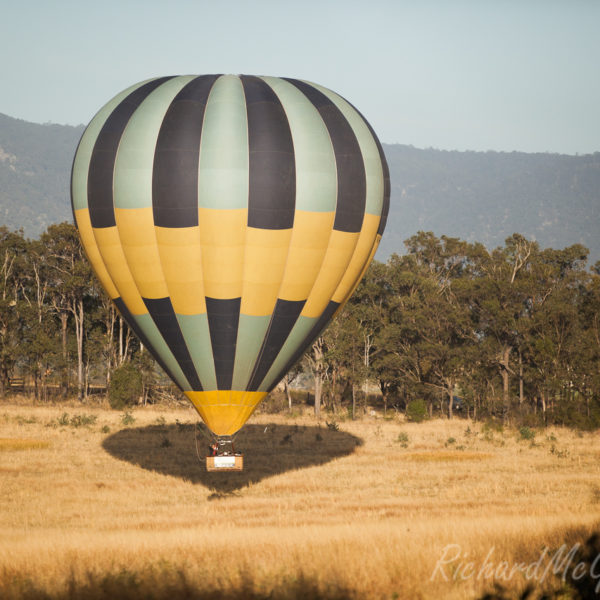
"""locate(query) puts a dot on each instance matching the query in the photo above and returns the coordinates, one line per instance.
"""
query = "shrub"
(83, 420)
(127, 418)
(125, 386)
(403, 439)
(492, 425)
(526, 433)
(416, 411)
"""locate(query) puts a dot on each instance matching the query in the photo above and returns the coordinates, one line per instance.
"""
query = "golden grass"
(445, 456)
(11, 444)
(349, 512)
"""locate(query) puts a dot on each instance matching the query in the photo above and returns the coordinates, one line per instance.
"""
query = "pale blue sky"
(450, 74)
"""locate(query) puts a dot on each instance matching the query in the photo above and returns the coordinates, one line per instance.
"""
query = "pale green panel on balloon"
(197, 338)
(86, 146)
(251, 333)
(316, 173)
(223, 169)
(159, 346)
(295, 340)
(368, 148)
(135, 157)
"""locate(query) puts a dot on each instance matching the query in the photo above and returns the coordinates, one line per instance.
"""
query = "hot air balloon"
(229, 218)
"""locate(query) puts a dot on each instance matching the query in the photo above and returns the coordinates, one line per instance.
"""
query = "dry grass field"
(98, 504)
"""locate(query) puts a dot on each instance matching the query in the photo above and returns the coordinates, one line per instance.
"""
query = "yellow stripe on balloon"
(138, 238)
(361, 253)
(339, 253)
(265, 258)
(307, 250)
(362, 273)
(84, 225)
(225, 411)
(223, 239)
(181, 258)
(109, 246)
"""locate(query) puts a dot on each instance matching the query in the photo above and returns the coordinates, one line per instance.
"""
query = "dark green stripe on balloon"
(102, 161)
(131, 321)
(351, 179)
(284, 317)
(163, 315)
(223, 320)
(272, 171)
(175, 172)
(385, 207)
(314, 333)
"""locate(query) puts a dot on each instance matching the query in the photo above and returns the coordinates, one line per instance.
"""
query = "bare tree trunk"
(64, 317)
(366, 360)
(78, 314)
(317, 367)
(128, 337)
(288, 394)
(505, 382)
(353, 401)
(318, 392)
(521, 394)
(120, 340)
(450, 399)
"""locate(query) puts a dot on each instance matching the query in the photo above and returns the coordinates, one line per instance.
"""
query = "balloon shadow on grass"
(179, 450)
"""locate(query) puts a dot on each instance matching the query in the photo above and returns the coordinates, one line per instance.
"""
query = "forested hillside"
(477, 196)
(488, 196)
(35, 167)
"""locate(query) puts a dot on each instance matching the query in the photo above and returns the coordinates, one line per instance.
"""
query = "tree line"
(512, 333)
(58, 328)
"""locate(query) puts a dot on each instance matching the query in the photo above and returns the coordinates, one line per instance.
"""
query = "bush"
(127, 419)
(403, 439)
(572, 414)
(526, 433)
(416, 411)
(125, 386)
(81, 420)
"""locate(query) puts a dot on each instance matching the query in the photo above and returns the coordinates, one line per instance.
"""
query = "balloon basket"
(224, 457)
(225, 463)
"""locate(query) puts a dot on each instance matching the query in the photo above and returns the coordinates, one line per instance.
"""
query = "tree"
(498, 295)
(71, 286)
(314, 359)
(13, 276)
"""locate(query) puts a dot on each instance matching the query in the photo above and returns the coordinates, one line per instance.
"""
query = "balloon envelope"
(229, 217)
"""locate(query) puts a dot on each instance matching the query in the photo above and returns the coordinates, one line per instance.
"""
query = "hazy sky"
(450, 74)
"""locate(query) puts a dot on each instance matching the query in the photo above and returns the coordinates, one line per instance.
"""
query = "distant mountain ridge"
(477, 196)
(35, 171)
(487, 196)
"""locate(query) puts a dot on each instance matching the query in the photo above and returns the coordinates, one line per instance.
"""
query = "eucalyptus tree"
(497, 297)
(556, 330)
(13, 279)
(71, 286)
